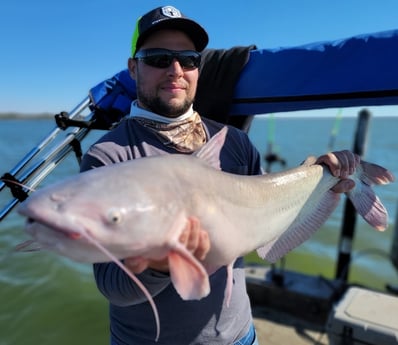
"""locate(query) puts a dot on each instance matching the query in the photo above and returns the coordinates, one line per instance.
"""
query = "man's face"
(166, 91)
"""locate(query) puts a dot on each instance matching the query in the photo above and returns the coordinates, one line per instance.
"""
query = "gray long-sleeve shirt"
(207, 321)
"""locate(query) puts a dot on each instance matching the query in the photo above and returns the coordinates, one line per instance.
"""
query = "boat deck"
(290, 309)
(297, 309)
(275, 328)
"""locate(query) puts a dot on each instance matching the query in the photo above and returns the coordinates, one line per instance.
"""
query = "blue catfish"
(139, 208)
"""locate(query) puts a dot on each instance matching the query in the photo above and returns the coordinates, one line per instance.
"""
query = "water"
(46, 299)
(311, 136)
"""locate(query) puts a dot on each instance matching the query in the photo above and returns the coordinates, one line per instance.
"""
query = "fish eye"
(114, 216)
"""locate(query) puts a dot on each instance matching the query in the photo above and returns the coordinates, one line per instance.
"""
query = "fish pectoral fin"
(188, 275)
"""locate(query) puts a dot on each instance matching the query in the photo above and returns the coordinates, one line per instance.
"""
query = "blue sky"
(53, 52)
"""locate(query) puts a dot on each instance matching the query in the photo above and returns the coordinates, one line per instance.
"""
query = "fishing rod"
(347, 233)
(335, 129)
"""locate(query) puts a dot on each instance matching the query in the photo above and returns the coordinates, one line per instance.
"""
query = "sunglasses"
(163, 58)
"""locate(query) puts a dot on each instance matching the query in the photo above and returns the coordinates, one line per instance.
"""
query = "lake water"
(46, 299)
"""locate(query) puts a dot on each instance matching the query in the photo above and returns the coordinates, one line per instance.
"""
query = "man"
(165, 59)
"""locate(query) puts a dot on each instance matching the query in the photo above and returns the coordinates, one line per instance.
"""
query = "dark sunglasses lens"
(159, 60)
(187, 60)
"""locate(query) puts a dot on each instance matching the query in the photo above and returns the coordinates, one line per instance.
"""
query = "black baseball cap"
(168, 17)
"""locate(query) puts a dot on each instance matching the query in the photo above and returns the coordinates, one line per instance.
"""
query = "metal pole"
(394, 243)
(32, 175)
(47, 140)
(350, 215)
(35, 174)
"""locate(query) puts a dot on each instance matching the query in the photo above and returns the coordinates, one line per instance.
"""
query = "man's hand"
(195, 239)
(341, 164)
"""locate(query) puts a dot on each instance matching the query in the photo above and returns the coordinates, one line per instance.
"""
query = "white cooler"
(364, 317)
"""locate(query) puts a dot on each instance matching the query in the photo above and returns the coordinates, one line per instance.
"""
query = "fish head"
(125, 218)
(129, 208)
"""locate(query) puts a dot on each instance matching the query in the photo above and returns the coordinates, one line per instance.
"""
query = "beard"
(152, 102)
(158, 106)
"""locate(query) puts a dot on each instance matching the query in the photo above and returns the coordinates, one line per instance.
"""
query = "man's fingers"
(194, 236)
(341, 163)
(136, 265)
(204, 246)
(191, 234)
(343, 186)
(347, 162)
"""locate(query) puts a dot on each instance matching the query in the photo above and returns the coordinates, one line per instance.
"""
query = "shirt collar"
(137, 111)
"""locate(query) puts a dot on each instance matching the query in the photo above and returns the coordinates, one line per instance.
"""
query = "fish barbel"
(139, 208)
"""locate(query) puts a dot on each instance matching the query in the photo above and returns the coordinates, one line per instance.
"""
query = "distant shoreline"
(23, 116)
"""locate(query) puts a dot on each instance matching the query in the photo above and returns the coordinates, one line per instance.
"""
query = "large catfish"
(139, 209)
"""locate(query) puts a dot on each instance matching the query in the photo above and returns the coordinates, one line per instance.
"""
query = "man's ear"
(132, 66)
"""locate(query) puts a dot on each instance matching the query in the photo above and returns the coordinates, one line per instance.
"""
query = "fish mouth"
(32, 222)
(47, 221)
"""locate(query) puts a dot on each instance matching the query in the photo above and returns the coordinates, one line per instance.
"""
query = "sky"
(54, 52)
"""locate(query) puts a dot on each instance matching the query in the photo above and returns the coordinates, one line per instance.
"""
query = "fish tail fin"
(362, 196)
(373, 174)
(313, 215)
(308, 221)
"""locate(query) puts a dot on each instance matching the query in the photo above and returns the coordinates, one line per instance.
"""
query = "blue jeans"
(249, 339)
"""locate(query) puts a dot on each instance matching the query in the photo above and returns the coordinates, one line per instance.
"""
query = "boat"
(356, 71)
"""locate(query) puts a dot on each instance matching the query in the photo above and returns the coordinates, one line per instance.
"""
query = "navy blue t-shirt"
(207, 321)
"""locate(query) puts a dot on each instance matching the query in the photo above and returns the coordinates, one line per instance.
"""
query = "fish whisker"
(144, 290)
(27, 246)
(17, 183)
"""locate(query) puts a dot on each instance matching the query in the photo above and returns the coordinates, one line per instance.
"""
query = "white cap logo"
(171, 12)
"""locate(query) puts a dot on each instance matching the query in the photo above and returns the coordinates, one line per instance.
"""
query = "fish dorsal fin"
(187, 274)
(210, 152)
